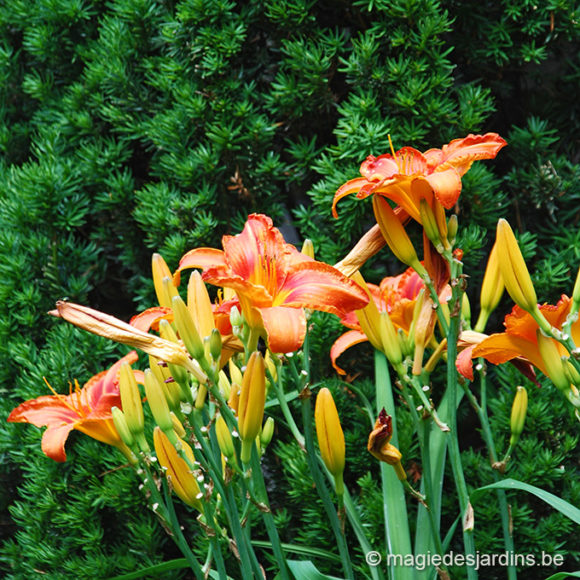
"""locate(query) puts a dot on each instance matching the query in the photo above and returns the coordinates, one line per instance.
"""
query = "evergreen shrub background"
(135, 126)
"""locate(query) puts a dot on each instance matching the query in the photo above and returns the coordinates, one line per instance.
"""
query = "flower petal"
(149, 319)
(461, 153)
(349, 187)
(319, 286)
(343, 343)
(44, 411)
(446, 186)
(285, 327)
(203, 258)
(502, 347)
(464, 364)
(53, 440)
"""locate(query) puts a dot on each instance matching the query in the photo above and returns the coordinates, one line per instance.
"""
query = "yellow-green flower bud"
(576, 295)
(395, 235)
(553, 363)
(492, 288)
(572, 373)
(430, 225)
(390, 340)
(121, 426)
(158, 402)
(267, 432)
(308, 248)
(514, 270)
(161, 271)
(215, 344)
(251, 405)
(236, 318)
(131, 399)
(224, 385)
(186, 328)
(466, 311)
(452, 226)
(330, 436)
(178, 426)
(224, 438)
(518, 416)
(199, 305)
(179, 474)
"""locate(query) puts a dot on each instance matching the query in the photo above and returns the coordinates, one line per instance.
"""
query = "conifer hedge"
(134, 126)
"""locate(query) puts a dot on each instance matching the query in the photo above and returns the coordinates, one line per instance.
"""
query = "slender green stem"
(453, 442)
(501, 495)
(277, 385)
(323, 490)
(167, 514)
(258, 480)
(397, 534)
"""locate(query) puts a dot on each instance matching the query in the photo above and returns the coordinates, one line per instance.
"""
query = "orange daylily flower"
(519, 339)
(408, 175)
(395, 295)
(274, 282)
(87, 410)
(519, 343)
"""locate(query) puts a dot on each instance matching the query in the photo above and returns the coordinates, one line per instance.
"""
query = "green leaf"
(154, 570)
(306, 570)
(302, 550)
(564, 575)
(556, 502)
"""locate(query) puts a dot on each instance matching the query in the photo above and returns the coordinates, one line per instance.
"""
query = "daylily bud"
(576, 295)
(158, 402)
(330, 436)
(424, 326)
(369, 317)
(552, 360)
(466, 310)
(251, 405)
(430, 225)
(518, 416)
(199, 305)
(236, 318)
(131, 399)
(121, 426)
(308, 248)
(441, 221)
(380, 447)
(132, 405)
(572, 374)
(492, 288)
(186, 328)
(267, 432)
(224, 438)
(160, 272)
(452, 226)
(235, 373)
(234, 398)
(514, 270)
(271, 365)
(171, 388)
(215, 344)
(390, 340)
(177, 426)
(395, 235)
(179, 475)
(224, 385)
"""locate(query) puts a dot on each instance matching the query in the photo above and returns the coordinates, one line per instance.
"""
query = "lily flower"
(519, 343)
(87, 410)
(274, 282)
(408, 175)
(396, 296)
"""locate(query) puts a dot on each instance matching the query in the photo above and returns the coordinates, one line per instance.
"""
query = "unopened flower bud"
(452, 226)
(182, 481)
(330, 436)
(380, 447)
(215, 344)
(177, 426)
(158, 402)
(251, 404)
(199, 305)
(576, 295)
(267, 432)
(224, 438)
(308, 248)
(395, 234)
(131, 399)
(186, 328)
(518, 416)
(121, 426)
(553, 363)
(236, 318)
(160, 272)
(430, 225)
(492, 288)
(390, 340)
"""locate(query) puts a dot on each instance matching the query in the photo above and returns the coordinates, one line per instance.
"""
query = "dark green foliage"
(135, 126)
